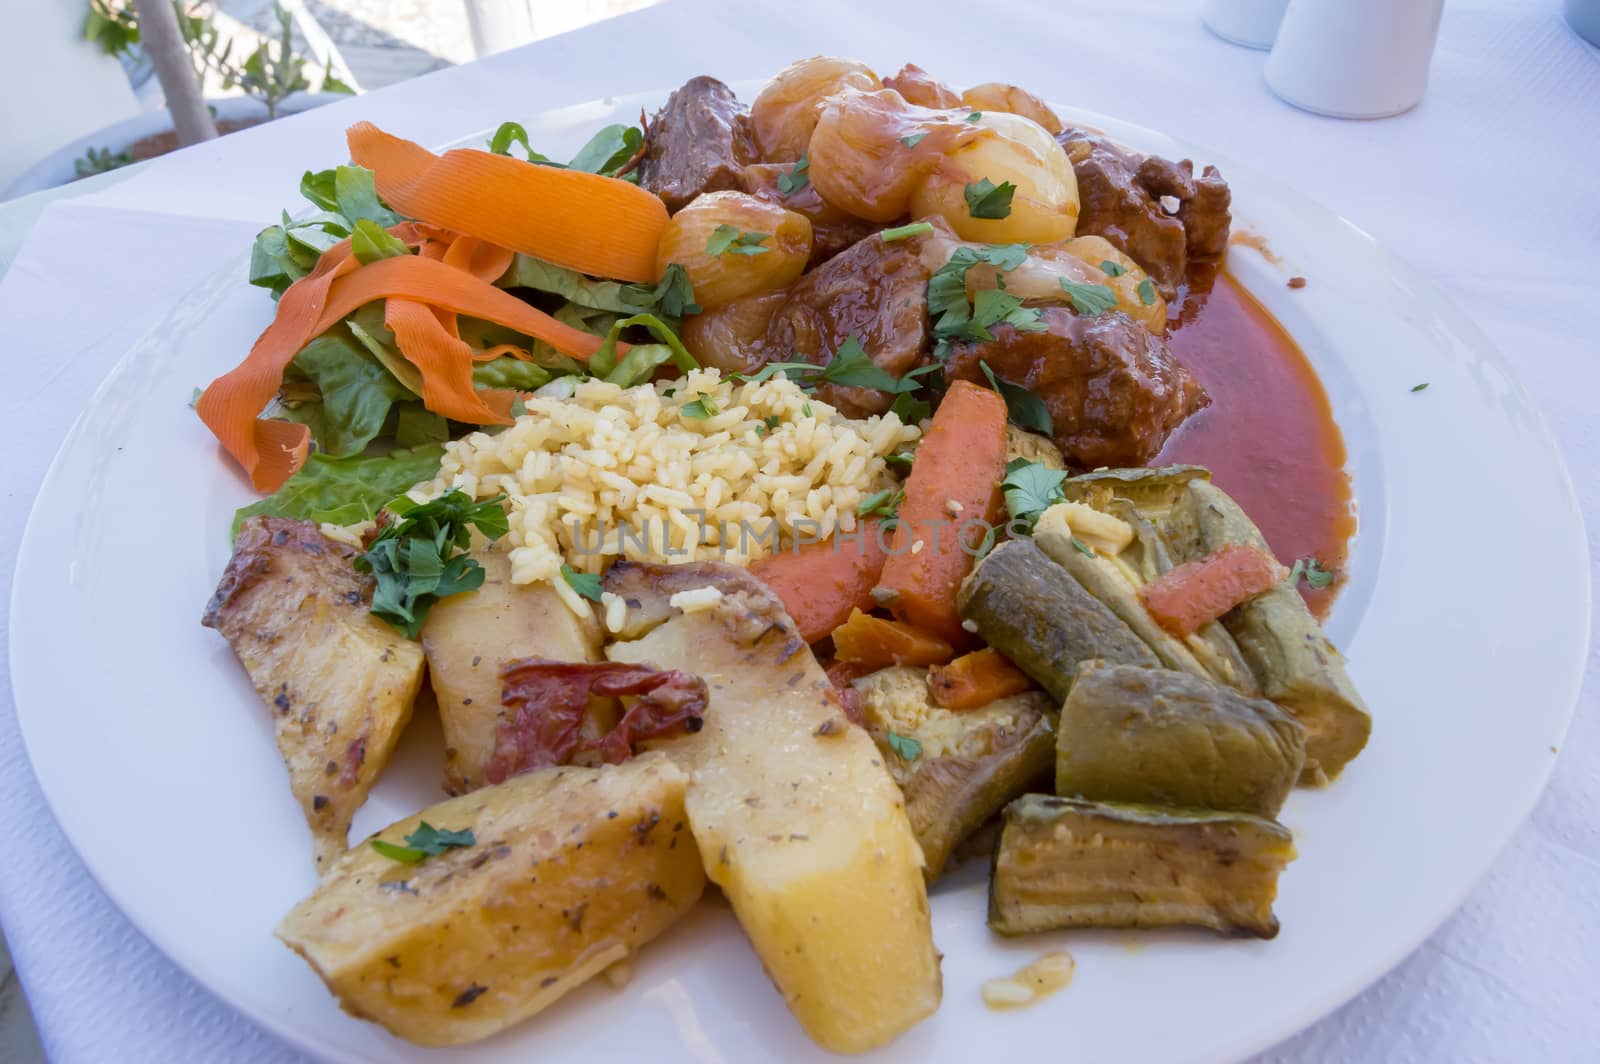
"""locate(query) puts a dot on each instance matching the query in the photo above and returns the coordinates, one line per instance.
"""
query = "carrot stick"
(976, 679)
(1183, 599)
(954, 484)
(585, 222)
(875, 641)
(820, 583)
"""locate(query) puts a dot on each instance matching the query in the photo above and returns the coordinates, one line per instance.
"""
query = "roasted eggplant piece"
(467, 638)
(794, 815)
(563, 872)
(1154, 491)
(1065, 862)
(1160, 737)
(338, 681)
(1114, 572)
(1034, 612)
(1212, 644)
(1294, 663)
(1032, 447)
(956, 768)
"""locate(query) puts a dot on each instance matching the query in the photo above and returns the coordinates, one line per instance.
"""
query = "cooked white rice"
(624, 473)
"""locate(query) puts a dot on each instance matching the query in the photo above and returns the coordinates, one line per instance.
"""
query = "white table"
(1489, 187)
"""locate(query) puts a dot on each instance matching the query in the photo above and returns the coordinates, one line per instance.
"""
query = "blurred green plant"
(271, 73)
(100, 161)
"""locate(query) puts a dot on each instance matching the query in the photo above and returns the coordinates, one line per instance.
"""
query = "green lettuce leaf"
(345, 491)
(625, 372)
(344, 196)
(528, 272)
(416, 426)
(357, 392)
(608, 150)
(509, 372)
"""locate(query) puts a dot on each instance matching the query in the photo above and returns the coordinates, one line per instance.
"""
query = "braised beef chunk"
(1114, 391)
(832, 230)
(1206, 217)
(874, 291)
(1120, 193)
(699, 142)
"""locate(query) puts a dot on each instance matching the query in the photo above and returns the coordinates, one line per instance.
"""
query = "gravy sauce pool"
(1268, 437)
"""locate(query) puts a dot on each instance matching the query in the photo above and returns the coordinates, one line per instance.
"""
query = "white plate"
(1466, 633)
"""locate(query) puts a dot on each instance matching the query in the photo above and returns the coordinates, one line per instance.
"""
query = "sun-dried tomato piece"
(546, 702)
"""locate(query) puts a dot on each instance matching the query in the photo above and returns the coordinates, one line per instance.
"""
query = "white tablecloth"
(1490, 187)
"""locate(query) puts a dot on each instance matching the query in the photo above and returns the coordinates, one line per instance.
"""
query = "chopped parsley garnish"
(728, 240)
(674, 294)
(905, 232)
(954, 318)
(1082, 548)
(913, 140)
(1112, 269)
(907, 747)
(1026, 410)
(949, 284)
(1030, 488)
(850, 367)
(995, 306)
(427, 841)
(1147, 292)
(900, 459)
(909, 409)
(1312, 572)
(792, 370)
(194, 400)
(985, 199)
(805, 408)
(973, 117)
(1089, 299)
(585, 584)
(420, 557)
(885, 503)
(1414, 387)
(771, 422)
(796, 179)
(703, 407)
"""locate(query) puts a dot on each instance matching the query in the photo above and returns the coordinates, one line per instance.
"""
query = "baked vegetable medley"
(789, 497)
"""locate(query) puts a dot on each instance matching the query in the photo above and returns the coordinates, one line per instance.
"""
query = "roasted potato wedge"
(571, 870)
(338, 681)
(796, 819)
(468, 637)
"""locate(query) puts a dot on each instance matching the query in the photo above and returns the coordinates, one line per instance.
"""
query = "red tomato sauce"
(1268, 437)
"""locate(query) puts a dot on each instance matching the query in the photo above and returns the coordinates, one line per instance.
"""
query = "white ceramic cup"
(1354, 58)
(1252, 23)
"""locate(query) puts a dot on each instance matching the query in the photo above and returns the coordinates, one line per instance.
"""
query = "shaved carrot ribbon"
(425, 295)
(597, 225)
